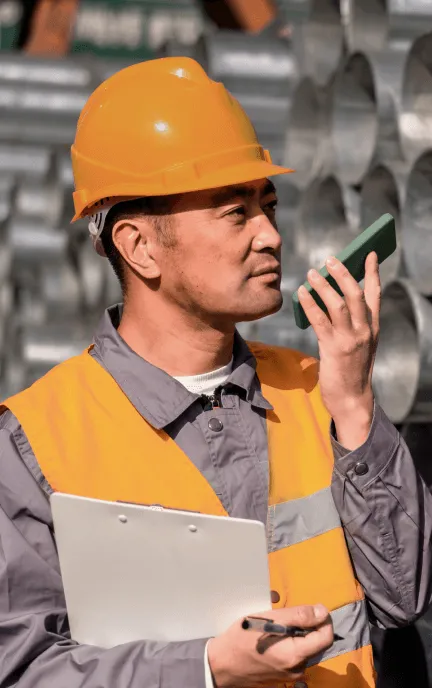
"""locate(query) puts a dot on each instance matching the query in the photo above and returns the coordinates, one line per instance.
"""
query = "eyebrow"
(228, 193)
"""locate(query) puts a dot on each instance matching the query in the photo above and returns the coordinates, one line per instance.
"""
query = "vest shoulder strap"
(90, 440)
(276, 364)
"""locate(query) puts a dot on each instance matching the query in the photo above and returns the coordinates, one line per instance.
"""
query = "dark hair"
(157, 207)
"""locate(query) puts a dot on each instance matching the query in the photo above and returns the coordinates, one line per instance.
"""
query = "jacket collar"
(157, 396)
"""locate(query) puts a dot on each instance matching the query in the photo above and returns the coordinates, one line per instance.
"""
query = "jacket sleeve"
(35, 645)
(386, 512)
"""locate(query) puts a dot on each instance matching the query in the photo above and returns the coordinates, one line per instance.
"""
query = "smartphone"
(379, 237)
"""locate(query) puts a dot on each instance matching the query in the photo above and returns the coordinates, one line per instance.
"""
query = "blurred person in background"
(170, 405)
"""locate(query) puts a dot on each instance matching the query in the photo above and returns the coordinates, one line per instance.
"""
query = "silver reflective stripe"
(300, 519)
(351, 623)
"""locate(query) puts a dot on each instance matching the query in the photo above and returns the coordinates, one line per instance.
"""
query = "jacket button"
(275, 597)
(361, 468)
(215, 424)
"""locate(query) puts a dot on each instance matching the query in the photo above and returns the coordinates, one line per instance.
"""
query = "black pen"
(253, 623)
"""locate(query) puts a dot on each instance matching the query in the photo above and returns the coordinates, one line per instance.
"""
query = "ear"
(135, 240)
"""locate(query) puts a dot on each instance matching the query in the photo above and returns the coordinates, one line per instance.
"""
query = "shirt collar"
(157, 396)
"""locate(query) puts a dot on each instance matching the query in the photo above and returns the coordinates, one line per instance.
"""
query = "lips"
(271, 269)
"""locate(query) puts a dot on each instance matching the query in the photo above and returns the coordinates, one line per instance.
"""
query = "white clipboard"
(132, 572)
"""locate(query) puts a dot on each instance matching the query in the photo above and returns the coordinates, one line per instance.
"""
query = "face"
(225, 261)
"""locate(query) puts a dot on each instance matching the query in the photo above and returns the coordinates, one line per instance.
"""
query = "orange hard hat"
(162, 127)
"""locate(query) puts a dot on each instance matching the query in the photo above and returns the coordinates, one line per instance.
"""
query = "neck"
(175, 341)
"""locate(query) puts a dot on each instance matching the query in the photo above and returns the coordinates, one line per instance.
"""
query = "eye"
(271, 206)
(237, 212)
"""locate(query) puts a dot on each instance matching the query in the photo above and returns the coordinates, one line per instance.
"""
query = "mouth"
(271, 270)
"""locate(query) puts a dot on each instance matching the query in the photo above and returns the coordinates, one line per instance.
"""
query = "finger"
(313, 643)
(372, 291)
(318, 319)
(300, 650)
(318, 640)
(352, 291)
(303, 616)
(335, 304)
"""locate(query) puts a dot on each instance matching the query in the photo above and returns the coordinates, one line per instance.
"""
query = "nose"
(266, 235)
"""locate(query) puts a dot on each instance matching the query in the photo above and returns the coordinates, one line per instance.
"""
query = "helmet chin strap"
(95, 227)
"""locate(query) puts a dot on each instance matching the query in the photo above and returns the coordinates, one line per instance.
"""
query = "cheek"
(204, 274)
(201, 261)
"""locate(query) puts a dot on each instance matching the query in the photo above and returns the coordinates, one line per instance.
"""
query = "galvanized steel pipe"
(402, 376)
(7, 195)
(416, 115)
(388, 70)
(43, 348)
(30, 307)
(92, 275)
(34, 244)
(251, 64)
(43, 114)
(17, 98)
(68, 72)
(383, 192)
(13, 374)
(371, 25)
(323, 228)
(354, 119)
(417, 225)
(42, 201)
(318, 39)
(366, 24)
(289, 197)
(408, 19)
(281, 330)
(27, 161)
(307, 136)
(294, 271)
(34, 129)
(61, 290)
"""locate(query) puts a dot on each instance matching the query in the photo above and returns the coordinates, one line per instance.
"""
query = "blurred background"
(340, 90)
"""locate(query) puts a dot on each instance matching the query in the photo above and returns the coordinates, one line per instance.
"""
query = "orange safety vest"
(89, 440)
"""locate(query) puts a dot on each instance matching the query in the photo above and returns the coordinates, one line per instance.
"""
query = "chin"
(257, 311)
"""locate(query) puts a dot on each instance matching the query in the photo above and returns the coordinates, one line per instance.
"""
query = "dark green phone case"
(379, 237)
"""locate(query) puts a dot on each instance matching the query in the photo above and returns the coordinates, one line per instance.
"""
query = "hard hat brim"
(235, 174)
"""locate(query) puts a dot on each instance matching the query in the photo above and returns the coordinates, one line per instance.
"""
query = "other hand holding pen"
(239, 658)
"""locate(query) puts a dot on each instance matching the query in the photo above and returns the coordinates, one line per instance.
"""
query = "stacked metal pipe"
(53, 286)
(345, 100)
(359, 134)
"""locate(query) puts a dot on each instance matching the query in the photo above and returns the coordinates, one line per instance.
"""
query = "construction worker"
(171, 406)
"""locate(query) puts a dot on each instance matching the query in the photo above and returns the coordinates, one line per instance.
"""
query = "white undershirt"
(207, 382)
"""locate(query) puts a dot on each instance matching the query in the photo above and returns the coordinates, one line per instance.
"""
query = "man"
(170, 406)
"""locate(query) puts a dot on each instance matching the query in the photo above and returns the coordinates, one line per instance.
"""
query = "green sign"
(11, 14)
(134, 28)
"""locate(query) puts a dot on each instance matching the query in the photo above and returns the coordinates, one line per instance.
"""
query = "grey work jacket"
(386, 513)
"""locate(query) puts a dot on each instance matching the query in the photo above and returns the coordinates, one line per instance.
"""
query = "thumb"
(321, 613)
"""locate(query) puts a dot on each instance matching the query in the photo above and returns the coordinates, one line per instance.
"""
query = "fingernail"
(320, 612)
(312, 274)
(331, 261)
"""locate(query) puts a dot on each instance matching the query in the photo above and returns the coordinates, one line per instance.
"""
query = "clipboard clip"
(156, 507)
